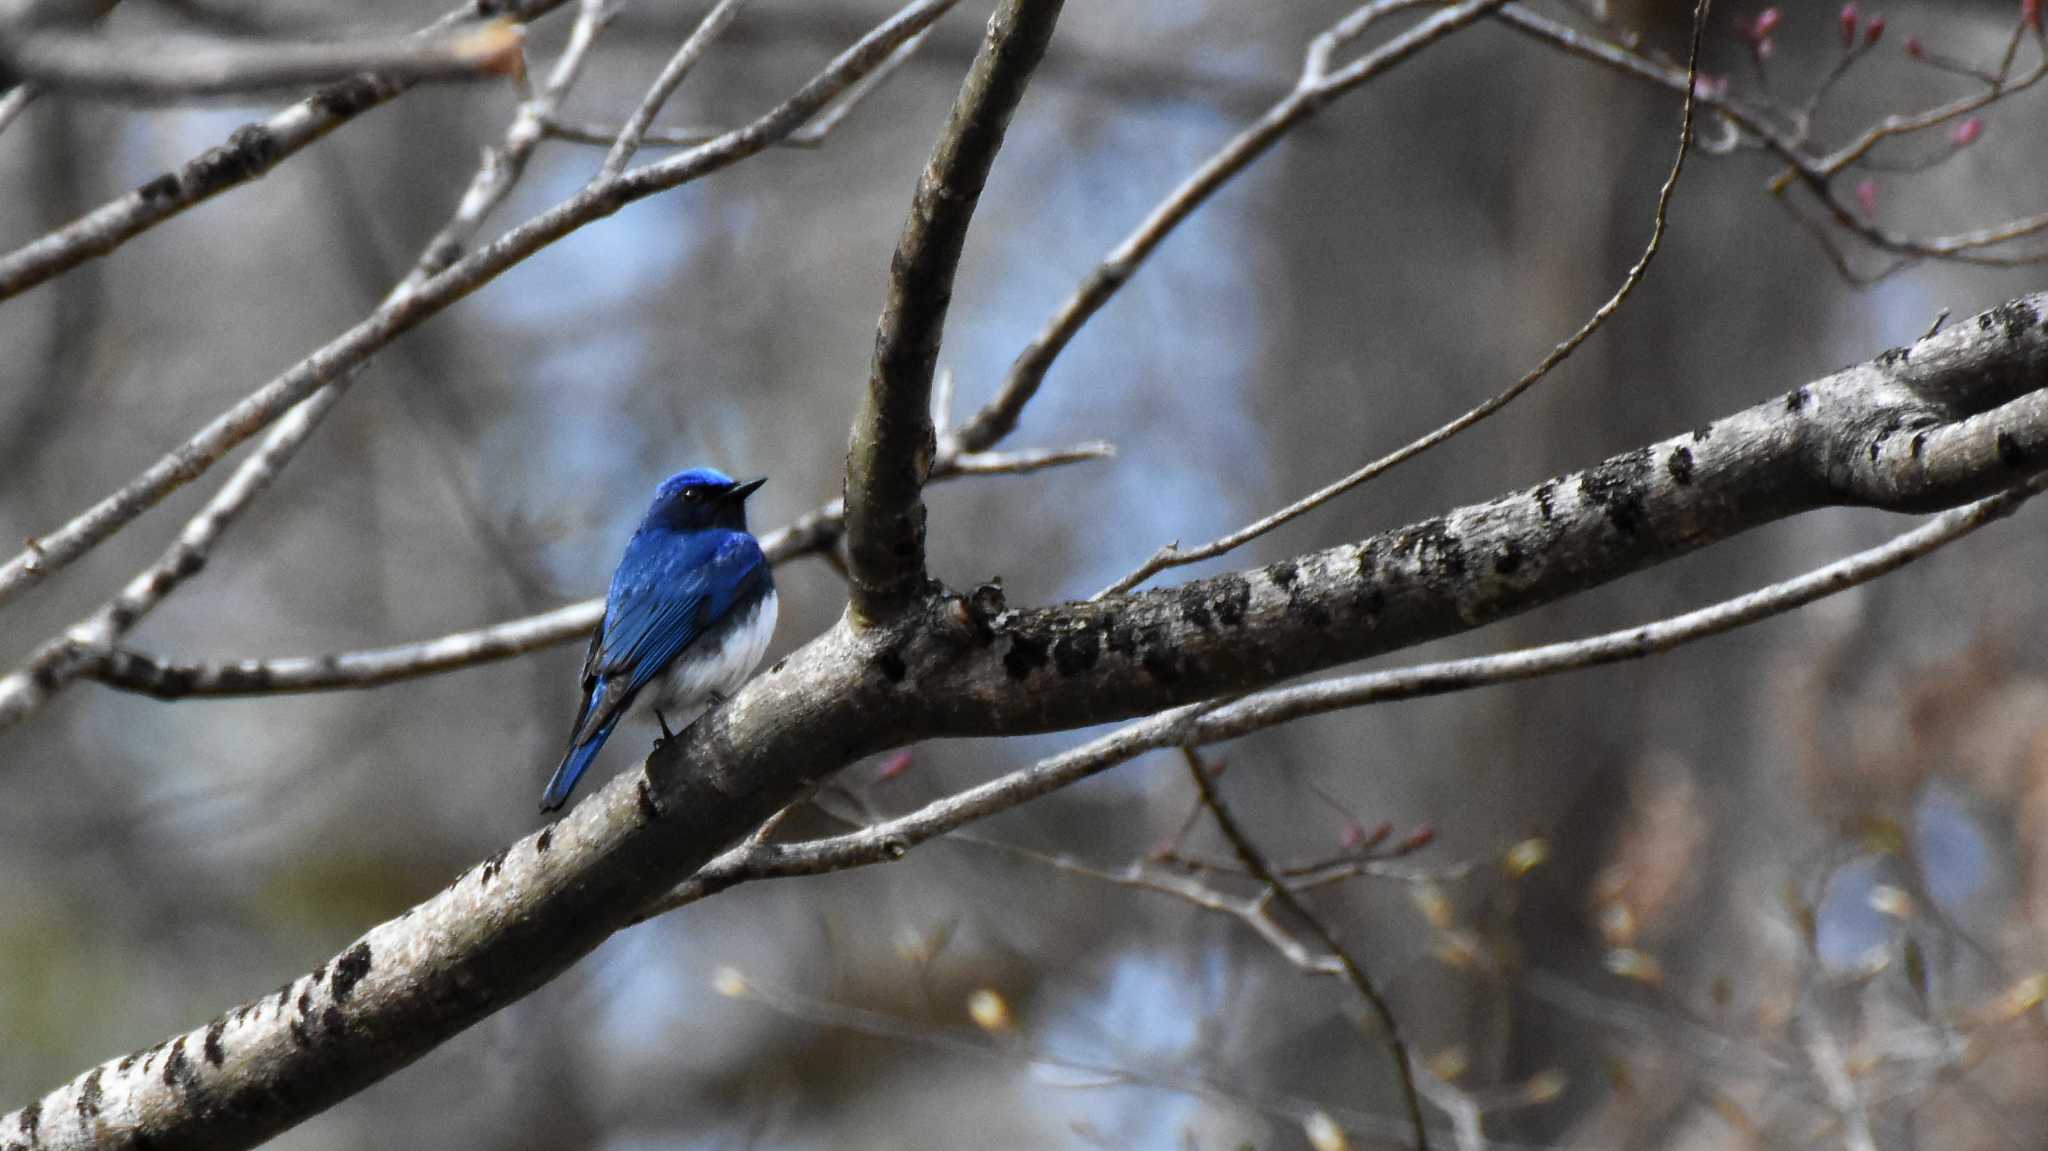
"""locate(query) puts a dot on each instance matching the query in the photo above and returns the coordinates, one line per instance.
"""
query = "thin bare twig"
(15, 101)
(1316, 87)
(815, 533)
(163, 67)
(672, 75)
(1172, 555)
(1350, 968)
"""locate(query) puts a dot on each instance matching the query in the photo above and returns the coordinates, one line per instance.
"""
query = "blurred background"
(1676, 904)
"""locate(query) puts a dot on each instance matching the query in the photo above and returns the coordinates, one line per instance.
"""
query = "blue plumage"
(688, 617)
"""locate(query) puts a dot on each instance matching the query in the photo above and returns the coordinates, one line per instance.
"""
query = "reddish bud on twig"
(1866, 198)
(1707, 87)
(1764, 48)
(1849, 23)
(1913, 47)
(893, 766)
(2030, 12)
(1766, 23)
(1418, 839)
(1873, 31)
(1965, 134)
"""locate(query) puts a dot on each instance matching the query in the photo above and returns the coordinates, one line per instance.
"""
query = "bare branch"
(672, 75)
(1224, 719)
(1172, 555)
(323, 375)
(893, 447)
(14, 101)
(1351, 970)
(815, 533)
(811, 135)
(249, 152)
(90, 63)
(1316, 88)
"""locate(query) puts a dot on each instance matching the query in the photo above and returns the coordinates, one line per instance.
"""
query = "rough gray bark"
(1954, 417)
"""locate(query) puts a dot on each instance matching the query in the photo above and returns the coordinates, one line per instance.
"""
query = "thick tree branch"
(250, 152)
(1958, 416)
(893, 446)
(78, 61)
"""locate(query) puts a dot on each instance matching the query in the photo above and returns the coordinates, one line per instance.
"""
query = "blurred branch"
(1173, 555)
(77, 61)
(306, 391)
(250, 152)
(1346, 965)
(811, 135)
(892, 448)
(14, 101)
(1315, 88)
(1961, 415)
(815, 533)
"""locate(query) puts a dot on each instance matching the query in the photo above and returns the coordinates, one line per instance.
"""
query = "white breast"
(716, 664)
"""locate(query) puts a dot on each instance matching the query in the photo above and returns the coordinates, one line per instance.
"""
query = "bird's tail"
(579, 757)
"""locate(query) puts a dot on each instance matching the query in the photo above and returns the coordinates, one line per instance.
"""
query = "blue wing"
(668, 590)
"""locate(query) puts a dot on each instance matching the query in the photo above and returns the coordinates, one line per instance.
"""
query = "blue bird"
(689, 615)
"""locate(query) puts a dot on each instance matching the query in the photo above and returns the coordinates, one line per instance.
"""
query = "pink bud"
(2030, 13)
(1764, 48)
(1767, 23)
(1421, 836)
(893, 766)
(1965, 134)
(1849, 21)
(1707, 87)
(1873, 31)
(1913, 47)
(1354, 836)
(1866, 198)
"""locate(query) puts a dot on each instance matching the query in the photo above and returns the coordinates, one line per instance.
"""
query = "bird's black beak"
(741, 491)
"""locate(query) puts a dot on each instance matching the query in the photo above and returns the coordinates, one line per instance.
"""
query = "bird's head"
(702, 498)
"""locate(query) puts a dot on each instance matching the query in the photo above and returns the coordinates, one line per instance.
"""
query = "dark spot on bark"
(164, 187)
(1027, 654)
(1892, 356)
(160, 582)
(1884, 433)
(779, 665)
(188, 563)
(2016, 317)
(1679, 464)
(175, 1065)
(1616, 487)
(333, 1020)
(284, 996)
(44, 674)
(1123, 640)
(1194, 607)
(1284, 573)
(1229, 596)
(1509, 561)
(1795, 400)
(120, 615)
(2010, 453)
(1309, 610)
(1543, 494)
(1161, 660)
(31, 1119)
(644, 794)
(1702, 434)
(546, 840)
(1919, 442)
(319, 973)
(492, 867)
(349, 971)
(346, 98)
(1432, 541)
(216, 1054)
(305, 1002)
(1076, 652)
(249, 150)
(127, 1061)
(299, 1035)
(89, 1096)
(892, 666)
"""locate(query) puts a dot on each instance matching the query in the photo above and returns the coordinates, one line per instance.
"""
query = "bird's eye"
(693, 494)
